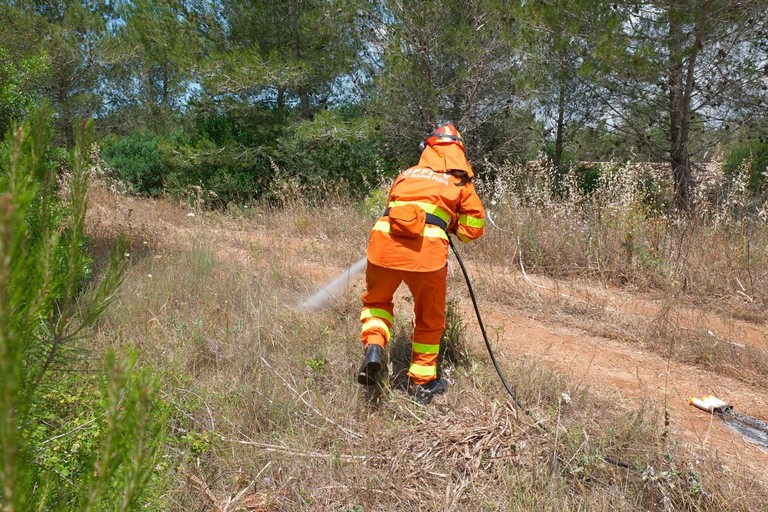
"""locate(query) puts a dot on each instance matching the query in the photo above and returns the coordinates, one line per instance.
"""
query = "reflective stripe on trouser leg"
(424, 361)
(373, 330)
(377, 313)
(421, 374)
(428, 289)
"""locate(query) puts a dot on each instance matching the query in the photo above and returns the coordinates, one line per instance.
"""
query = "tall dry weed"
(619, 234)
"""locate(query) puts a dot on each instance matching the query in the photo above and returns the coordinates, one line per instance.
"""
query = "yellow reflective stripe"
(381, 225)
(427, 207)
(463, 238)
(376, 312)
(423, 371)
(425, 348)
(372, 323)
(472, 222)
(428, 231)
(434, 232)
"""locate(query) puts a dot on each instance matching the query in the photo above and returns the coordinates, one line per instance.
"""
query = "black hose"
(511, 392)
(485, 337)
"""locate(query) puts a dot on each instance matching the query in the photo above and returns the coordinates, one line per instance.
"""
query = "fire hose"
(509, 389)
(485, 335)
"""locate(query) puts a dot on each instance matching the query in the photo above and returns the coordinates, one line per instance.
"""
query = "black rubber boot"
(424, 393)
(371, 366)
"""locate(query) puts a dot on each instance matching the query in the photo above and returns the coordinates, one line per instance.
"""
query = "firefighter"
(409, 243)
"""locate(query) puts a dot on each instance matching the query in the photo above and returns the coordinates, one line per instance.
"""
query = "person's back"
(410, 243)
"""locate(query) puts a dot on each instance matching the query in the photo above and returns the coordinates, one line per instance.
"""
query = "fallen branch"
(245, 489)
(283, 449)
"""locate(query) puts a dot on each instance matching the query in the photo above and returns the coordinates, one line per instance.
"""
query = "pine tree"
(45, 308)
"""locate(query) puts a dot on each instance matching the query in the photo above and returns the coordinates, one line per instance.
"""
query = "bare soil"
(627, 375)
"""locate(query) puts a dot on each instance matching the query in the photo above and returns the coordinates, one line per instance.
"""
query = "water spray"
(333, 287)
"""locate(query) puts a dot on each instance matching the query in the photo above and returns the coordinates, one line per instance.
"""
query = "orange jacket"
(429, 186)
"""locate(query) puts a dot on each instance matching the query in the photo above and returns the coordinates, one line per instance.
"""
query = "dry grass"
(718, 254)
(267, 416)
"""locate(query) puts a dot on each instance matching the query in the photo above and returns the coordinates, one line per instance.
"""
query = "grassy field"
(266, 415)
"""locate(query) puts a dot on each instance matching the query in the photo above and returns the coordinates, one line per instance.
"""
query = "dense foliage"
(238, 98)
(137, 161)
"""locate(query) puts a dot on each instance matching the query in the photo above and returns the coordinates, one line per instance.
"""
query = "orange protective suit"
(419, 258)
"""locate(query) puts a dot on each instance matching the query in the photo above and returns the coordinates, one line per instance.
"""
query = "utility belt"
(406, 222)
(430, 219)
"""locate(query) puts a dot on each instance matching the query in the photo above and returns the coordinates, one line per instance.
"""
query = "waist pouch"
(407, 220)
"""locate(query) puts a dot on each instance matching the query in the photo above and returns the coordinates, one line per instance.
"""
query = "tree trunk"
(678, 123)
(560, 130)
(166, 79)
(302, 90)
(306, 110)
(681, 77)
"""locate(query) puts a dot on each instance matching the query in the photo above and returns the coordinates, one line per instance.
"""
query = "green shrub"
(137, 161)
(222, 173)
(224, 157)
(84, 419)
(757, 152)
(263, 154)
(334, 151)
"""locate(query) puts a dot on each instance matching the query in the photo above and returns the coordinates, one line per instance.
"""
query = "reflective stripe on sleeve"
(427, 207)
(376, 313)
(429, 230)
(425, 348)
(472, 222)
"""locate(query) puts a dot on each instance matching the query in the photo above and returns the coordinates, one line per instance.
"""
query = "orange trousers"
(428, 290)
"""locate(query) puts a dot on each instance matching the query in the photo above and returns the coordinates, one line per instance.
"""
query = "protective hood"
(445, 157)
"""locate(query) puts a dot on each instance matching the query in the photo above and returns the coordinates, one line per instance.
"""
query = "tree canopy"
(236, 92)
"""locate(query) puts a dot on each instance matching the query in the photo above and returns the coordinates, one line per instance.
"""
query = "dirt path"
(728, 330)
(625, 374)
